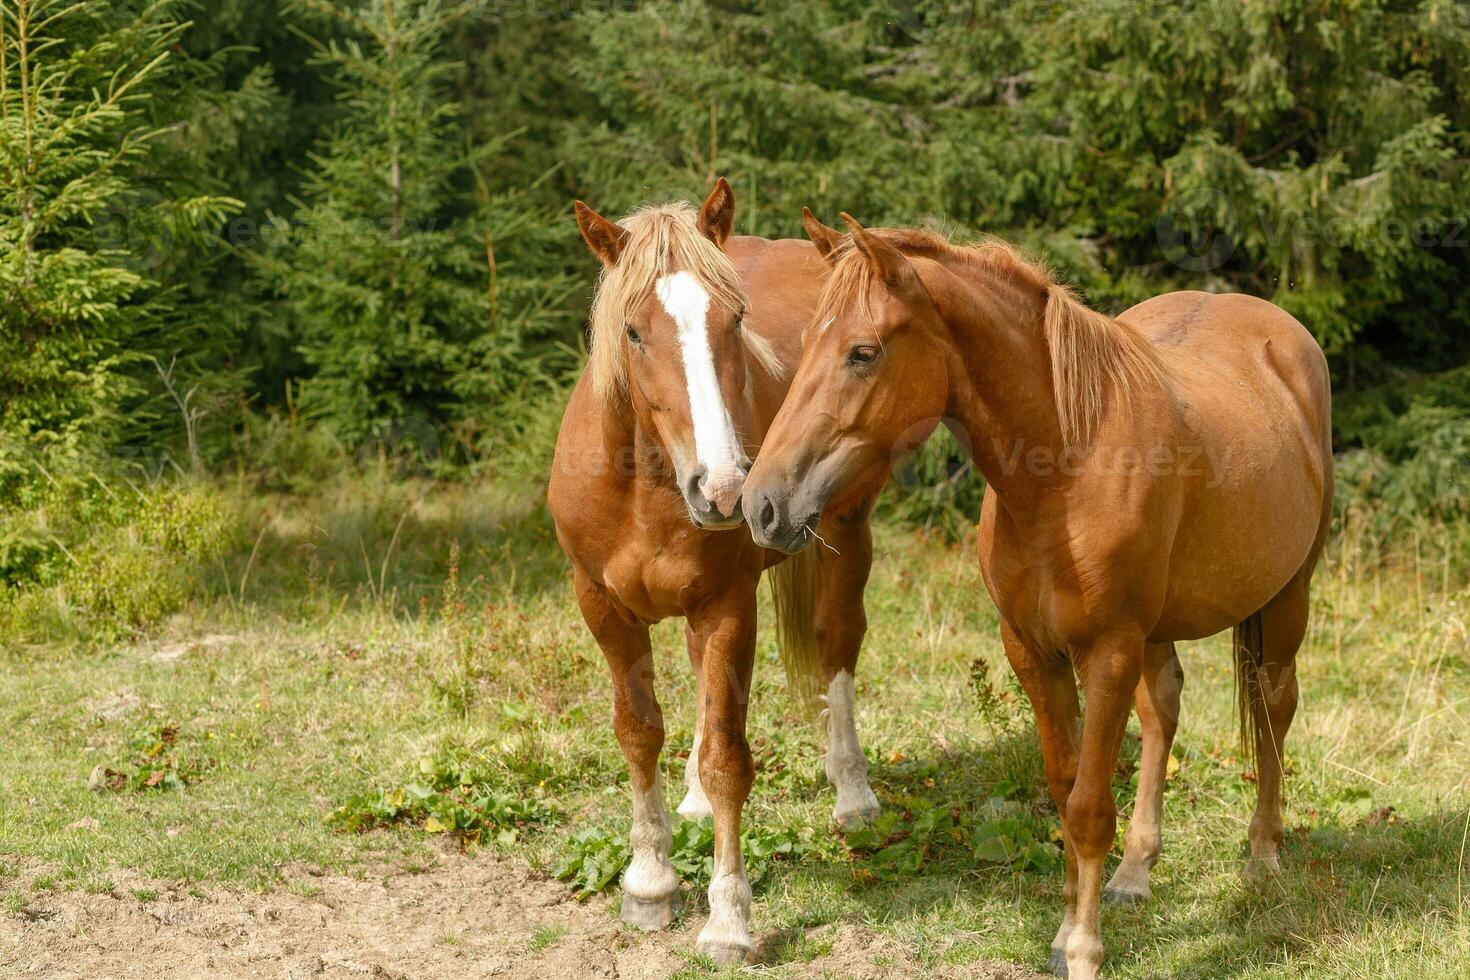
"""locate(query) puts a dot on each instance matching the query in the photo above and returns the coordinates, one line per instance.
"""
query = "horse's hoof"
(650, 914)
(1263, 867)
(1119, 895)
(1058, 962)
(725, 954)
(854, 813)
(695, 807)
(853, 819)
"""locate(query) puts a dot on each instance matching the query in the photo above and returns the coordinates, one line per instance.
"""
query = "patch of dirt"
(173, 652)
(115, 705)
(465, 917)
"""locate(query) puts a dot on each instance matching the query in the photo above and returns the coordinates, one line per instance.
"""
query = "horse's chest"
(652, 576)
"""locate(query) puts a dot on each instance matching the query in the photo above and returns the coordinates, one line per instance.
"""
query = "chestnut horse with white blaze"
(1155, 477)
(693, 334)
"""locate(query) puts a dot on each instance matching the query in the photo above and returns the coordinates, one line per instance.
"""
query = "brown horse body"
(685, 377)
(1154, 478)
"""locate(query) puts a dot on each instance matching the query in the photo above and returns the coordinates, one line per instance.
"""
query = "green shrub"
(1367, 416)
(403, 320)
(936, 488)
(1416, 466)
(157, 762)
(93, 207)
(595, 857)
(93, 553)
(453, 796)
(121, 584)
(281, 451)
(912, 831)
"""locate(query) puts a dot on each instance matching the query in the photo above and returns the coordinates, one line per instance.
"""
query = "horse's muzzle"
(772, 526)
(714, 504)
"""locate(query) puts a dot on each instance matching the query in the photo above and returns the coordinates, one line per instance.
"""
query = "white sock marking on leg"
(696, 804)
(729, 909)
(847, 767)
(650, 874)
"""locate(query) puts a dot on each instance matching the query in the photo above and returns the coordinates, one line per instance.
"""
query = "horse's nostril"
(768, 514)
(694, 487)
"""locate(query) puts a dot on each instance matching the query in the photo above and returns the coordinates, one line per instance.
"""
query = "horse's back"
(1207, 338)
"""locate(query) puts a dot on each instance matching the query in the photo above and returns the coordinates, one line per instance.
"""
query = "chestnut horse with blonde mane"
(1157, 477)
(693, 332)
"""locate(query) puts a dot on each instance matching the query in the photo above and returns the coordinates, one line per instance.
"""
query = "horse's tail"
(1249, 649)
(794, 594)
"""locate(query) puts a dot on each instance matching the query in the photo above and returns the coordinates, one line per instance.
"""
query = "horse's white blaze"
(847, 767)
(716, 445)
(650, 873)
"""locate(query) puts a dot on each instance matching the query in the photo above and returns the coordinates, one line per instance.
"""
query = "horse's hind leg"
(650, 884)
(1157, 700)
(1283, 627)
(695, 805)
(840, 626)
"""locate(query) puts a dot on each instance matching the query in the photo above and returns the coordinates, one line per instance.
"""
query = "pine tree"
(82, 223)
(1313, 153)
(389, 261)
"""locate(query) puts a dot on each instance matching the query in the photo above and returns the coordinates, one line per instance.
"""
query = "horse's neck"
(1001, 389)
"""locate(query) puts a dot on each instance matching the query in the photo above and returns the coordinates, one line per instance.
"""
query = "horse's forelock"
(662, 239)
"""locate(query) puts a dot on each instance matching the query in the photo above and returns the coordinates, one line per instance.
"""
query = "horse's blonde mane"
(1091, 353)
(661, 239)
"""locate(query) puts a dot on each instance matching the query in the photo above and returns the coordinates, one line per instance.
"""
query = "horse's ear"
(824, 238)
(717, 216)
(889, 264)
(605, 238)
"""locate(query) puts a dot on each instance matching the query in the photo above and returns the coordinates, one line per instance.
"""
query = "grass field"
(368, 649)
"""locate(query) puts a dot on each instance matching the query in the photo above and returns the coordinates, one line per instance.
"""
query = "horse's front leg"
(1051, 688)
(726, 769)
(650, 884)
(1110, 670)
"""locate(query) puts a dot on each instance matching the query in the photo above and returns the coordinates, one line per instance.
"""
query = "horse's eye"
(861, 355)
(633, 334)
